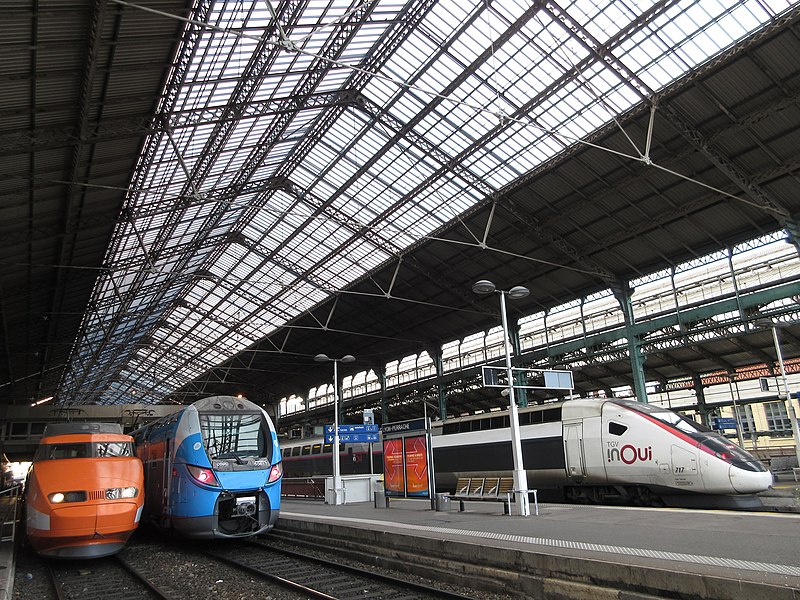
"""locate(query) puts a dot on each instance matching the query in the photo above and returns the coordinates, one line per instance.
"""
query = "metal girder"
(245, 88)
(73, 380)
(49, 138)
(723, 164)
(602, 52)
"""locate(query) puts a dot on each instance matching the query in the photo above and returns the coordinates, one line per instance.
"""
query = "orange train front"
(84, 493)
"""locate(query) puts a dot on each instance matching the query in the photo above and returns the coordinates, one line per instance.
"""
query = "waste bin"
(442, 502)
(381, 500)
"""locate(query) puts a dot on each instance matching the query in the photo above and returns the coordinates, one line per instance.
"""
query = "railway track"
(101, 579)
(321, 578)
(151, 568)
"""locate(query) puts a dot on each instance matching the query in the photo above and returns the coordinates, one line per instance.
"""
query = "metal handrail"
(14, 492)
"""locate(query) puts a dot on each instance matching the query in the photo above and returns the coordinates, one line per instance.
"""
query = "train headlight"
(275, 472)
(205, 476)
(61, 497)
(125, 492)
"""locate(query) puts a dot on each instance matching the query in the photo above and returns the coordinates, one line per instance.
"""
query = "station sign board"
(353, 434)
(528, 379)
(403, 427)
(724, 423)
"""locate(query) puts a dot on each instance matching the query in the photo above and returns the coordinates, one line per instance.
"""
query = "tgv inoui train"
(592, 450)
(212, 469)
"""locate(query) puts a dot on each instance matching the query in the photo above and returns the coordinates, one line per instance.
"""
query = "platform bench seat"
(484, 489)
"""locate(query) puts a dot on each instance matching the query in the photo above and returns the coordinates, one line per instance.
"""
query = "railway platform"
(640, 553)
(8, 516)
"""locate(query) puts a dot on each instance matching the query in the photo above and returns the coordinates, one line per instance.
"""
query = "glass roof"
(296, 159)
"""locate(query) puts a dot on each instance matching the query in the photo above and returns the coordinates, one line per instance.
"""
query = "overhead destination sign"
(724, 423)
(353, 433)
(403, 426)
(353, 438)
(528, 379)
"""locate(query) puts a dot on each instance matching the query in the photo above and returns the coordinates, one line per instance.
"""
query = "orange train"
(85, 491)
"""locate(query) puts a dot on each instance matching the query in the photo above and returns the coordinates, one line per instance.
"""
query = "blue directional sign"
(357, 429)
(353, 438)
(724, 423)
(353, 433)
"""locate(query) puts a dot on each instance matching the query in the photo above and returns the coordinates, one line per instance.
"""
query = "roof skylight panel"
(410, 217)
(382, 91)
(322, 156)
(332, 182)
(603, 22)
(403, 174)
(445, 16)
(254, 327)
(405, 62)
(443, 203)
(336, 275)
(350, 264)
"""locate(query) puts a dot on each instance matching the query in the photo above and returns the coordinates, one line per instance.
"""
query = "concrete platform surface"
(740, 547)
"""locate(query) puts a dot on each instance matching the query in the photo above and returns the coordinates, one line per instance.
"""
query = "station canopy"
(217, 191)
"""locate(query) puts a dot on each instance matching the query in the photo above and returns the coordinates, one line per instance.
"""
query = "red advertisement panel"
(393, 477)
(416, 466)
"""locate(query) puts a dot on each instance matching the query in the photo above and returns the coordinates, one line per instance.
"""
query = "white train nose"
(749, 482)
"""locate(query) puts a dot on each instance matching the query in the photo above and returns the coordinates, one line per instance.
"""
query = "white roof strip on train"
(730, 563)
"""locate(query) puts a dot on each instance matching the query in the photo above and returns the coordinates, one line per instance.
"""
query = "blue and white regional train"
(212, 469)
(601, 451)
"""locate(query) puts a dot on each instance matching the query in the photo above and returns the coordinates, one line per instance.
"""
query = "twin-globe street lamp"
(337, 474)
(789, 406)
(485, 286)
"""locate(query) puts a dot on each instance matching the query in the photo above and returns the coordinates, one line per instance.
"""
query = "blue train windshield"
(235, 435)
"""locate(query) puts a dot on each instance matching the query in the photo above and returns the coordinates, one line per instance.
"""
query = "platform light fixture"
(337, 473)
(484, 287)
(765, 323)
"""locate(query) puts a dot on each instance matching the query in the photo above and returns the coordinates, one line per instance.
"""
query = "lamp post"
(520, 478)
(337, 473)
(789, 406)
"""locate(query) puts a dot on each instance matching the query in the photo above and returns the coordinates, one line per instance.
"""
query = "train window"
(287, 451)
(327, 449)
(106, 449)
(296, 451)
(37, 428)
(551, 415)
(616, 428)
(500, 422)
(449, 428)
(235, 435)
(19, 430)
(316, 449)
(61, 451)
(306, 450)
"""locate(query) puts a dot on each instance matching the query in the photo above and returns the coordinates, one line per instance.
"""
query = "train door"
(168, 475)
(573, 449)
(154, 467)
(684, 466)
(157, 476)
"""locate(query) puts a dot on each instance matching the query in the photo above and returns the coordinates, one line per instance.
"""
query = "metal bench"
(488, 489)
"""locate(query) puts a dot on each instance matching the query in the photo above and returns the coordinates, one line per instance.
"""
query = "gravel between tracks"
(191, 576)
